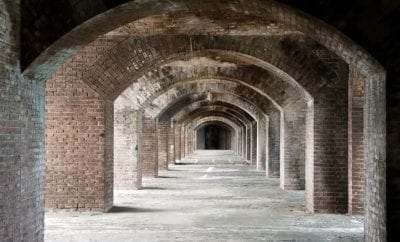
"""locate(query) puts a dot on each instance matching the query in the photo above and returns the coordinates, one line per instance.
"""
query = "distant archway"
(213, 137)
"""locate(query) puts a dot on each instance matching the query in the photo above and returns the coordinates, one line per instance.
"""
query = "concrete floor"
(220, 201)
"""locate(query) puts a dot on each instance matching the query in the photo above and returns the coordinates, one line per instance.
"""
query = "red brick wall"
(21, 138)
(148, 146)
(253, 143)
(162, 142)
(239, 141)
(182, 142)
(248, 143)
(76, 155)
(292, 169)
(274, 142)
(356, 143)
(171, 143)
(375, 225)
(262, 139)
(126, 172)
(243, 144)
(177, 131)
(189, 139)
(79, 137)
(109, 155)
(331, 153)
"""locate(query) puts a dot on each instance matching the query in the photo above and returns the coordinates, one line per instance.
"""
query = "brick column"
(188, 139)
(356, 144)
(244, 142)
(177, 131)
(22, 138)
(248, 143)
(253, 144)
(239, 142)
(233, 137)
(182, 142)
(194, 142)
(274, 144)
(108, 170)
(193, 136)
(162, 144)
(262, 142)
(171, 142)
(127, 172)
(329, 172)
(79, 145)
(292, 169)
(148, 145)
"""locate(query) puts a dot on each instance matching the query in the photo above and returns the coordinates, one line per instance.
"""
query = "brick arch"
(163, 121)
(274, 133)
(291, 118)
(186, 121)
(241, 103)
(304, 70)
(199, 120)
(234, 134)
(223, 107)
(251, 128)
(208, 122)
(278, 13)
(295, 123)
(157, 104)
(21, 145)
(211, 115)
(359, 60)
(242, 114)
(295, 118)
(212, 120)
(211, 111)
(155, 75)
(219, 87)
(260, 119)
(214, 111)
(291, 134)
(326, 135)
(150, 140)
(126, 156)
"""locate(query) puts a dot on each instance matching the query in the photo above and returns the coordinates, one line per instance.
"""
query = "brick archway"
(30, 94)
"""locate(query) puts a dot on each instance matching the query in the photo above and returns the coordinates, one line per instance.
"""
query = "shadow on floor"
(119, 209)
(186, 164)
(153, 188)
(166, 177)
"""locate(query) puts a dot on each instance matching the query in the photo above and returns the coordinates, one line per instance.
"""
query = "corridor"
(210, 196)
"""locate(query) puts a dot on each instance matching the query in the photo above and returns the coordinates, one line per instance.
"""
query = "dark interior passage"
(213, 137)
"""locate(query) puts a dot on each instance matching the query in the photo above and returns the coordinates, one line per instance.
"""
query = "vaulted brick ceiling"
(255, 58)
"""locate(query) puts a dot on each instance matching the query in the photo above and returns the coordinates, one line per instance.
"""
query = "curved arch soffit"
(204, 104)
(159, 104)
(225, 56)
(205, 114)
(144, 102)
(41, 68)
(215, 119)
(209, 112)
(251, 108)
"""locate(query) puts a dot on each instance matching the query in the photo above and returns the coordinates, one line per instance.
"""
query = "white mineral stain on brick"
(200, 62)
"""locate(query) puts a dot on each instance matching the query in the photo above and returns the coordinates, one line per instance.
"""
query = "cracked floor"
(206, 199)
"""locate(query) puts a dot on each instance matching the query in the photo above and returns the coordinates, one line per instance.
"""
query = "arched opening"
(315, 126)
(213, 137)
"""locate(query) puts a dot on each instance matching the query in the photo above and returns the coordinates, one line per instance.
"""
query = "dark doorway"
(213, 137)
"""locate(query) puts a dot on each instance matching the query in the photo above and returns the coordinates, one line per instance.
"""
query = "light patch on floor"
(230, 202)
